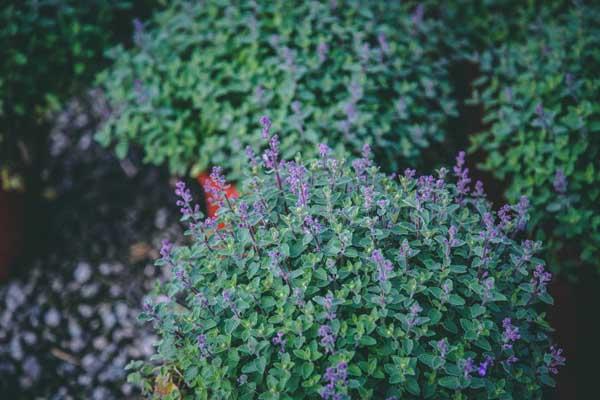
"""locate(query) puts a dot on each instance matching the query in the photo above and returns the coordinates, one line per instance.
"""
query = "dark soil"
(68, 317)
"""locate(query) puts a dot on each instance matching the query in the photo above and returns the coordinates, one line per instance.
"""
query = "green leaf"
(368, 341)
(546, 298)
(413, 386)
(121, 149)
(191, 373)
(302, 354)
(333, 247)
(456, 300)
(477, 310)
(307, 369)
(432, 361)
(450, 382)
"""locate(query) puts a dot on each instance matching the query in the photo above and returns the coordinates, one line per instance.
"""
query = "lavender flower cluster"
(329, 278)
(558, 116)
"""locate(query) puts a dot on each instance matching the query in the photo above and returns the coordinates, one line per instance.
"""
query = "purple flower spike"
(488, 287)
(414, 312)
(479, 192)
(322, 51)
(266, 127)
(462, 174)
(539, 110)
(138, 32)
(251, 156)
(409, 173)
(417, 16)
(312, 225)
(226, 296)
(383, 44)
(384, 267)
(504, 215)
(185, 199)
(259, 94)
(510, 335)
(522, 209)
(367, 193)
(483, 367)
(298, 182)
(141, 93)
(366, 151)
(279, 341)
(569, 79)
(327, 338)
(165, 249)
(361, 165)
(335, 377)
(511, 360)
(560, 182)
(452, 241)
(541, 278)
(442, 347)
(328, 304)
(468, 367)
(324, 150)
(557, 360)
(216, 187)
(202, 345)
(271, 155)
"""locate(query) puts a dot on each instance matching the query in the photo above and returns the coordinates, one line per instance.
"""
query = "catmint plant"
(51, 52)
(421, 296)
(539, 95)
(360, 72)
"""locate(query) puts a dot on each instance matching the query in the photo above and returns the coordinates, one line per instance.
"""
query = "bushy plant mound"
(541, 104)
(336, 281)
(477, 26)
(50, 49)
(349, 72)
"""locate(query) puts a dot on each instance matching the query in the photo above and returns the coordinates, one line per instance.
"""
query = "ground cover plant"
(51, 50)
(477, 26)
(192, 91)
(328, 279)
(542, 136)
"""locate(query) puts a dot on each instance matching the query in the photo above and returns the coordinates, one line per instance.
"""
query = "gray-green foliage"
(327, 279)
(50, 50)
(477, 26)
(541, 107)
(347, 72)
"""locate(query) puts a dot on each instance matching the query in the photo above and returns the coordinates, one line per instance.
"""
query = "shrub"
(480, 25)
(337, 281)
(193, 90)
(51, 49)
(540, 99)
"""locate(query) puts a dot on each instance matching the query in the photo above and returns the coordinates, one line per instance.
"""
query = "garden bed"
(68, 321)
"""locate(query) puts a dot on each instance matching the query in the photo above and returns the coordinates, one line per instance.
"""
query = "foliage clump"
(347, 72)
(50, 51)
(330, 279)
(541, 106)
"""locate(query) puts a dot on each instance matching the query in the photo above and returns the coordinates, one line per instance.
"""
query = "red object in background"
(11, 229)
(211, 208)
